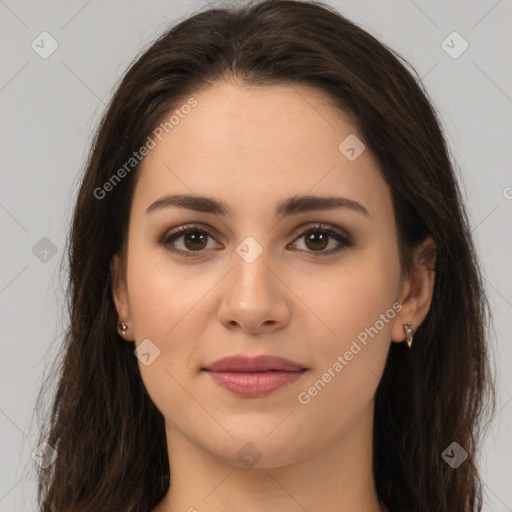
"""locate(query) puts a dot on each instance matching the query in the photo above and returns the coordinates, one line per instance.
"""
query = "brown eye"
(194, 240)
(316, 240)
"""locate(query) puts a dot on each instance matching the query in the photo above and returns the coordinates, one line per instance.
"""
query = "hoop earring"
(123, 328)
(409, 333)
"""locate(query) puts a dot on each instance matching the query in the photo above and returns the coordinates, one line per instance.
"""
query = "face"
(317, 286)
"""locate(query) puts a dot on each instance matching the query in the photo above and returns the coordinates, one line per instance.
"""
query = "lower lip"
(254, 384)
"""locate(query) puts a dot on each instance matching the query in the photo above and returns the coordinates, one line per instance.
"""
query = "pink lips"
(254, 376)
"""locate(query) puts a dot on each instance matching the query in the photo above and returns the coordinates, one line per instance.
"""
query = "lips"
(262, 363)
(254, 376)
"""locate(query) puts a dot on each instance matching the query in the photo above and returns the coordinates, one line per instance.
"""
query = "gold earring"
(123, 328)
(409, 333)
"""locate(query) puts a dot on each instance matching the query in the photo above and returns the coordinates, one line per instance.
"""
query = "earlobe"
(120, 297)
(418, 291)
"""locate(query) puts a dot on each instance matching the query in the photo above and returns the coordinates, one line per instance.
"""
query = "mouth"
(254, 376)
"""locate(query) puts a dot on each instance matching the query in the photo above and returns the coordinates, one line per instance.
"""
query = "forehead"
(250, 143)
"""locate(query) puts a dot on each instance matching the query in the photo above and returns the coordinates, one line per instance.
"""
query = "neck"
(336, 477)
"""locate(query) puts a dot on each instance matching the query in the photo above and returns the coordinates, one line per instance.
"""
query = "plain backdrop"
(50, 107)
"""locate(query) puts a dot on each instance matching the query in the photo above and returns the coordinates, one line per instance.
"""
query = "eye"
(316, 239)
(194, 240)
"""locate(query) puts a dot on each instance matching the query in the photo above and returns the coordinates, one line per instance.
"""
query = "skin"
(252, 147)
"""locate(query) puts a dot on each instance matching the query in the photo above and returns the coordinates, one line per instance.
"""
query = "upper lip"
(261, 363)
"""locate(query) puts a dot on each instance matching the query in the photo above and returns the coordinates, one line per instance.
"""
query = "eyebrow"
(291, 206)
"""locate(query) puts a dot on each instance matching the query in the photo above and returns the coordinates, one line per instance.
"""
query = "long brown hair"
(109, 436)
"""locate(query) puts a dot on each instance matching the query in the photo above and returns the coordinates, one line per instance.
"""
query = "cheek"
(168, 307)
(358, 315)
(162, 294)
(355, 296)
(163, 300)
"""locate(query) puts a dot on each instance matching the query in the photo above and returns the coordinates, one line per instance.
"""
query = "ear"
(417, 289)
(120, 295)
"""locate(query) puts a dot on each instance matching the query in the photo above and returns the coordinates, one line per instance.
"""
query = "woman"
(274, 297)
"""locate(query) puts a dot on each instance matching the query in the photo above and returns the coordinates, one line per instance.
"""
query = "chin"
(259, 448)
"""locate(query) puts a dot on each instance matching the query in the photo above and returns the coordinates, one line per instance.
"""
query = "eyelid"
(323, 227)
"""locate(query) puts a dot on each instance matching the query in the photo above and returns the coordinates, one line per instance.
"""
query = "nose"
(254, 297)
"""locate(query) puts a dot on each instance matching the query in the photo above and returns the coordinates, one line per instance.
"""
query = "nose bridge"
(253, 296)
(252, 261)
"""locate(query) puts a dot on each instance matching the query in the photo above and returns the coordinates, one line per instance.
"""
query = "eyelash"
(342, 238)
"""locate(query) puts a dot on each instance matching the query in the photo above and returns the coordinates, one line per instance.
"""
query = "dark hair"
(108, 434)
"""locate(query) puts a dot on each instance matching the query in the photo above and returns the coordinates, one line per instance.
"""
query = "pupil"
(318, 238)
(194, 238)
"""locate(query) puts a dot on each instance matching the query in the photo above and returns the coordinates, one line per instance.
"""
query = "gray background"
(49, 108)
